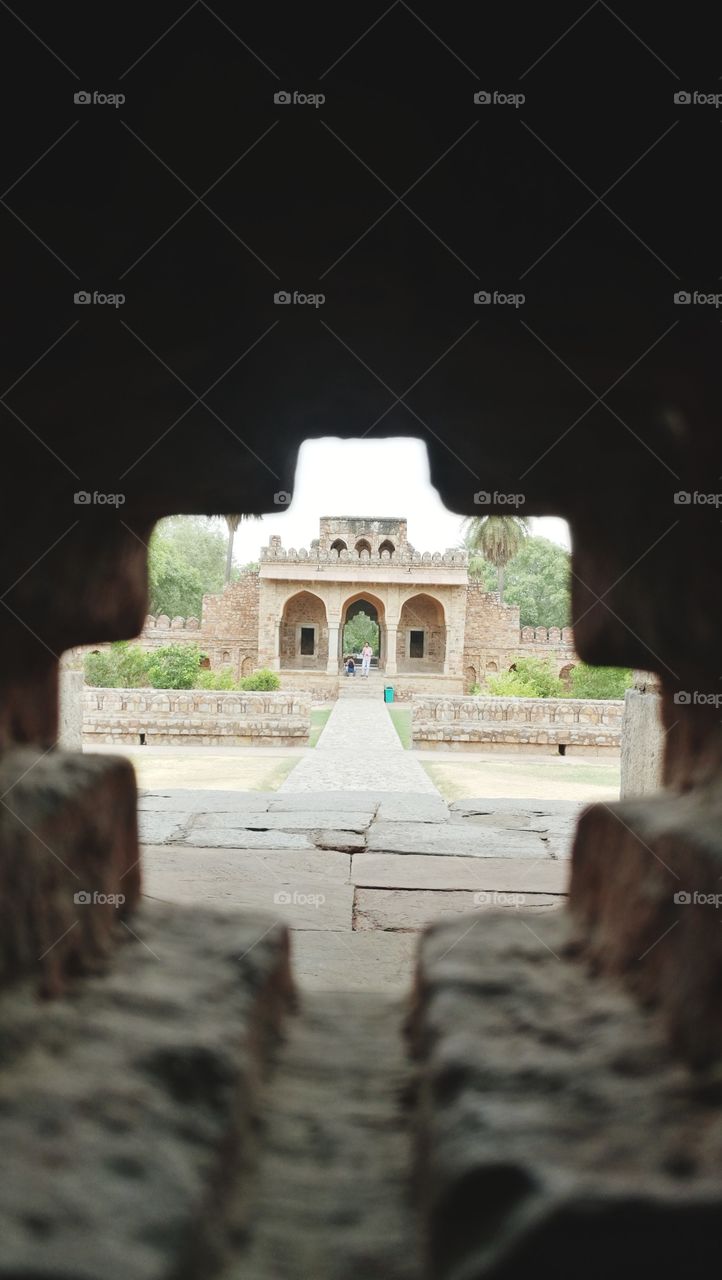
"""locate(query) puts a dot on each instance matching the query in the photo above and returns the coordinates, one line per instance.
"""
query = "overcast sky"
(367, 478)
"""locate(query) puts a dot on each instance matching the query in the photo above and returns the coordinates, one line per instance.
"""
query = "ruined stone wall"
(582, 725)
(193, 716)
(493, 638)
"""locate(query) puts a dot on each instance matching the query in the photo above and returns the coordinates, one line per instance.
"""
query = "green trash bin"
(388, 693)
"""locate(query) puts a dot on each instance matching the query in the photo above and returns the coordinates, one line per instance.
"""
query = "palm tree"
(233, 523)
(498, 539)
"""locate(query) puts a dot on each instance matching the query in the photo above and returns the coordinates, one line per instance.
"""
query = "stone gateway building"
(439, 632)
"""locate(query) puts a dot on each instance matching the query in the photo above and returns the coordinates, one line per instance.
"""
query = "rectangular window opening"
(308, 641)
(416, 644)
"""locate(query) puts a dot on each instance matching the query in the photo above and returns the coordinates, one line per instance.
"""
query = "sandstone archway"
(421, 636)
(372, 605)
(303, 641)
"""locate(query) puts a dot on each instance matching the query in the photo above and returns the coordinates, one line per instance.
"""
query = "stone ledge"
(127, 1109)
(555, 1131)
(68, 852)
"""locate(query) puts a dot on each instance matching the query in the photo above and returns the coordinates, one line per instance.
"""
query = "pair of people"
(366, 656)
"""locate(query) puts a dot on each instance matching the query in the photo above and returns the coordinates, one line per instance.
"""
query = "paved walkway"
(359, 750)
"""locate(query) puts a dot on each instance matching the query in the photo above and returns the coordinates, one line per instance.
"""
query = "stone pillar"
(642, 737)
(276, 663)
(332, 664)
(391, 628)
(70, 694)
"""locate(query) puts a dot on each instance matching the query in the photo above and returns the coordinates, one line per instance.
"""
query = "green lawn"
(401, 717)
(319, 716)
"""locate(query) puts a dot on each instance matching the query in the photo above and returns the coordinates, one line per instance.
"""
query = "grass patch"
(319, 716)
(461, 779)
(401, 717)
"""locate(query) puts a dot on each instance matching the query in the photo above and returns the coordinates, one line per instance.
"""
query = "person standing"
(366, 655)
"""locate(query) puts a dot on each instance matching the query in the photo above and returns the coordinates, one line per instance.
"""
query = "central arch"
(372, 605)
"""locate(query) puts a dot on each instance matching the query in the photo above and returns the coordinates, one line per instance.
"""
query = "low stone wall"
(195, 717)
(408, 686)
(578, 725)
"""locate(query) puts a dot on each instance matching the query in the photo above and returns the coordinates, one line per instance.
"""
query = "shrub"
(223, 679)
(122, 666)
(261, 680)
(599, 682)
(532, 678)
(175, 666)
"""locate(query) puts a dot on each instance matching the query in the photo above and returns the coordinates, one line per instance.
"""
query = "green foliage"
(357, 631)
(533, 678)
(223, 679)
(175, 666)
(481, 571)
(122, 666)
(498, 539)
(261, 680)
(187, 559)
(538, 580)
(600, 682)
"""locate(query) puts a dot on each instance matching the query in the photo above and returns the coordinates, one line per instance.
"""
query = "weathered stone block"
(69, 861)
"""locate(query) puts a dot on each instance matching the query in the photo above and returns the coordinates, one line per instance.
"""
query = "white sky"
(367, 478)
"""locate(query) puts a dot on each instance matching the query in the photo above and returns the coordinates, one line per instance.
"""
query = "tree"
(233, 523)
(122, 666)
(187, 555)
(498, 538)
(538, 581)
(600, 682)
(357, 631)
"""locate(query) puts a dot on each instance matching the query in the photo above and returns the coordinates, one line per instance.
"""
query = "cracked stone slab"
(221, 831)
(324, 801)
(455, 840)
(162, 827)
(552, 1118)
(410, 910)
(127, 1107)
(342, 840)
(308, 821)
(187, 800)
(504, 875)
(407, 807)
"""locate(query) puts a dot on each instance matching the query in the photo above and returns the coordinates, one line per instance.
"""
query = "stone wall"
(493, 638)
(580, 726)
(195, 716)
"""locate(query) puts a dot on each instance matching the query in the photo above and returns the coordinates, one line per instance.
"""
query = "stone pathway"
(359, 750)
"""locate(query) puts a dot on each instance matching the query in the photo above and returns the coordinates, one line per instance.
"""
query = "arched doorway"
(369, 614)
(386, 545)
(421, 636)
(303, 640)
